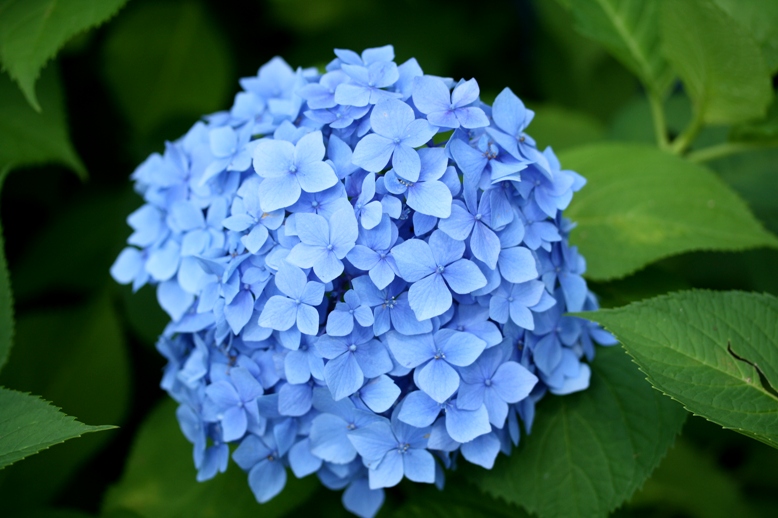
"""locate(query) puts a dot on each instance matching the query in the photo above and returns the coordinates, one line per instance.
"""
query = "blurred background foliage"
(148, 74)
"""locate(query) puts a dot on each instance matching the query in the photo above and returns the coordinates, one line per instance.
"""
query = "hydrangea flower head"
(350, 297)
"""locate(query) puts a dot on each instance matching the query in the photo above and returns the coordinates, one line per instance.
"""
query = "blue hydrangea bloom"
(368, 276)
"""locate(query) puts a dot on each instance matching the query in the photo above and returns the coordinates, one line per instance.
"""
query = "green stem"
(660, 125)
(686, 138)
(726, 149)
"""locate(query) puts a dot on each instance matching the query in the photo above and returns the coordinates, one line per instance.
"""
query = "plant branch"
(728, 148)
(658, 115)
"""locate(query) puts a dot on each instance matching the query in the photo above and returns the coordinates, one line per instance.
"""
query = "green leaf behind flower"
(30, 138)
(32, 31)
(629, 29)
(588, 452)
(641, 204)
(714, 352)
(720, 63)
(159, 480)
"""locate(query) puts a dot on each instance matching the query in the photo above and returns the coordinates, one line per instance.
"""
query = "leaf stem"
(685, 139)
(728, 148)
(660, 125)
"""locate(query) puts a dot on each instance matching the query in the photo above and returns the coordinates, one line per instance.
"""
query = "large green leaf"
(32, 31)
(715, 352)
(629, 29)
(30, 424)
(588, 452)
(159, 480)
(760, 19)
(77, 358)
(30, 138)
(6, 296)
(165, 60)
(642, 204)
(720, 64)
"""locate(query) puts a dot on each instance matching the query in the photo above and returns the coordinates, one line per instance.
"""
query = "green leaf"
(30, 138)
(53, 350)
(166, 60)
(32, 31)
(764, 131)
(691, 482)
(31, 424)
(588, 452)
(563, 128)
(6, 296)
(629, 29)
(760, 20)
(720, 64)
(641, 204)
(714, 352)
(159, 480)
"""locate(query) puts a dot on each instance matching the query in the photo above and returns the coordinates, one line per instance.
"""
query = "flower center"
(352, 348)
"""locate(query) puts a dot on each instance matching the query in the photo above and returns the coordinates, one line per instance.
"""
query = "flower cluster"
(367, 274)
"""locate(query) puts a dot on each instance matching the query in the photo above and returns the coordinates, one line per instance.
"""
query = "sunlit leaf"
(641, 204)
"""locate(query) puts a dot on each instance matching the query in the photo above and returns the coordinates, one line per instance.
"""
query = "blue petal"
(373, 441)
(239, 311)
(173, 299)
(406, 162)
(482, 450)
(279, 313)
(513, 382)
(372, 153)
(307, 319)
(411, 351)
(371, 214)
(414, 259)
(279, 192)
(429, 297)
(359, 499)
(343, 376)
(465, 425)
(250, 451)
(290, 280)
(343, 231)
(464, 277)
(379, 394)
(431, 198)
(388, 473)
(471, 117)
(517, 265)
(391, 119)
(302, 461)
(316, 177)
(296, 367)
(294, 400)
(485, 245)
(272, 158)
(266, 480)
(438, 379)
(430, 94)
(329, 440)
(373, 358)
(233, 424)
(459, 224)
(418, 409)
(306, 256)
(340, 323)
(419, 466)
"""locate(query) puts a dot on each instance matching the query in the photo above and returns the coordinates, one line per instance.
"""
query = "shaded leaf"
(629, 29)
(641, 204)
(31, 424)
(588, 452)
(30, 138)
(760, 19)
(6, 296)
(714, 352)
(88, 235)
(164, 60)
(159, 479)
(76, 357)
(764, 131)
(563, 128)
(720, 64)
(689, 481)
(32, 31)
